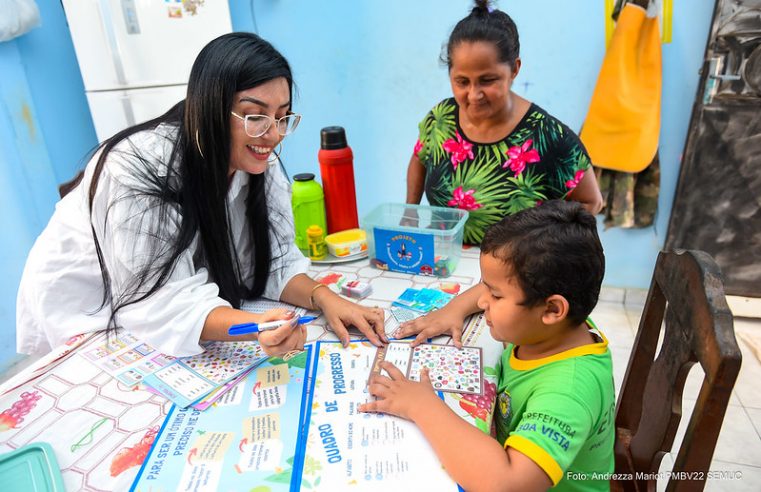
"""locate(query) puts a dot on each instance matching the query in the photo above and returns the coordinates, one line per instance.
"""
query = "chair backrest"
(687, 290)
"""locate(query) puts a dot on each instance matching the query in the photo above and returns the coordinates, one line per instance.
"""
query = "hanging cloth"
(630, 200)
(623, 122)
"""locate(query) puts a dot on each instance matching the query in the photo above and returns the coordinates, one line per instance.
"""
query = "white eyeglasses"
(257, 125)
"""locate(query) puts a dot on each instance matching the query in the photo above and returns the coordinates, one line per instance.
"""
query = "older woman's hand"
(341, 314)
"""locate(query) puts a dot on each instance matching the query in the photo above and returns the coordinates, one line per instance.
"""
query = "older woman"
(488, 150)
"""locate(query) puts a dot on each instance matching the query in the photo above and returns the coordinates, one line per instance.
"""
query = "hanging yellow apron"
(623, 122)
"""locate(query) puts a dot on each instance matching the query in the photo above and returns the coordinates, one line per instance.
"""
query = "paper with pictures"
(262, 304)
(239, 445)
(397, 353)
(188, 379)
(450, 369)
(126, 358)
(348, 450)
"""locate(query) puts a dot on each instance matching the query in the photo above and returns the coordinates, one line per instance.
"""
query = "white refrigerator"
(135, 55)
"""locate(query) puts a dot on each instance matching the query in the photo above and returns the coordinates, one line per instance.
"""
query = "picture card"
(190, 379)
(126, 358)
(450, 369)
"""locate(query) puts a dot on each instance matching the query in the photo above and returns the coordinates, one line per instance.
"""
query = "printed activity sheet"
(262, 304)
(451, 369)
(248, 439)
(126, 358)
(189, 379)
(345, 449)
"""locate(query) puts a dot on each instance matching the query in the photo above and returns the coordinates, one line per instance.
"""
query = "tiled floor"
(738, 451)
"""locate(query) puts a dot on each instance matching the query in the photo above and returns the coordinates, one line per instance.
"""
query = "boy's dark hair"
(486, 25)
(551, 249)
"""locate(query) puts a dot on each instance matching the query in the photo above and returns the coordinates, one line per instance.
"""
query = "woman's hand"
(397, 395)
(440, 322)
(341, 314)
(283, 339)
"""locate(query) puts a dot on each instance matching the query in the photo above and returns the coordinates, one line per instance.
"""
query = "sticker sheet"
(222, 361)
(451, 369)
(126, 358)
(189, 379)
(262, 304)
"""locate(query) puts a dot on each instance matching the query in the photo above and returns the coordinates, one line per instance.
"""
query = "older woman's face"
(480, 82)
(251, 154)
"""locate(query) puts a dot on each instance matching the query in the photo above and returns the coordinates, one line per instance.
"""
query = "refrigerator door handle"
(106, 18)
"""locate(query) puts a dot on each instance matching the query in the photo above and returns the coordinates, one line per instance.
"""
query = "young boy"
(541, 274)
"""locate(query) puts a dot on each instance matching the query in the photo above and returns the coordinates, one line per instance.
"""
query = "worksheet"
(348, 450)
(126, 358)
(450, 369)
(248, 439)
(189, 379)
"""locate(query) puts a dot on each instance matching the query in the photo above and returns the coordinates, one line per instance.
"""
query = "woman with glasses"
(181, 218)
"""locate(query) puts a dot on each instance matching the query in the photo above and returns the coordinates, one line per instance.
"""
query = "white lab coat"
(61, 288)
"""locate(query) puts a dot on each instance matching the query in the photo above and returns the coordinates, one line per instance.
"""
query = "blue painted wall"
(375, 71)
(368, 66)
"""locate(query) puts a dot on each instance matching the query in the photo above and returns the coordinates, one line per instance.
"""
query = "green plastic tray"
(31, 468)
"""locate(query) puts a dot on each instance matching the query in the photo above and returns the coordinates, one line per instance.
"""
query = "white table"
(101, 429)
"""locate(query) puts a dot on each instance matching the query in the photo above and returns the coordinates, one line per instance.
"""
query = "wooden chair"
(687, 288)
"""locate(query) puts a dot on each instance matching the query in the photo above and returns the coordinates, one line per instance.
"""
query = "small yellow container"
(316, 242)
(347, 243)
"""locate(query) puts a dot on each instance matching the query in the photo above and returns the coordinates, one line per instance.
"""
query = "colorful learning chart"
(348, 450)
(189, 379)
(451, 369)
(126, 358)
(248, 439)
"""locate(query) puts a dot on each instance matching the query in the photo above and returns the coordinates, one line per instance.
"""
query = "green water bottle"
(308, 203)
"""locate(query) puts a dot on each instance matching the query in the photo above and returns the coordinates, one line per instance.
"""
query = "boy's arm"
(473, 459)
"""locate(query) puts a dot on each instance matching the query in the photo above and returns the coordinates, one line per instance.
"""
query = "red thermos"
(337, 171)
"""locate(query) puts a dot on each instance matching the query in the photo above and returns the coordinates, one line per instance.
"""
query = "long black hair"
(487, 25)
(187, 194)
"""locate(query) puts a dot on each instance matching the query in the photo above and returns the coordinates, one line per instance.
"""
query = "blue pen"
(245, 328)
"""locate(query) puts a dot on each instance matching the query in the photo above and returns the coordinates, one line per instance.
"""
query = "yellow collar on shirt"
(598, 348)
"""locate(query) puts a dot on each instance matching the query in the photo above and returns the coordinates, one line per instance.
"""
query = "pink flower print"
(460, 149)
(573, 183)
(418, 147)
(519, 156)
(464, 199)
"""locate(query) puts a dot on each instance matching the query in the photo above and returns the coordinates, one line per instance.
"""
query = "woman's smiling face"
(480, 81)
(251, 154)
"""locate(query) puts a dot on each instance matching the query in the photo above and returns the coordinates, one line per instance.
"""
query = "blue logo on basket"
(404, 252)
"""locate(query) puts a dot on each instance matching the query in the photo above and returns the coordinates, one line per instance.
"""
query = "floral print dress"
(541, 159)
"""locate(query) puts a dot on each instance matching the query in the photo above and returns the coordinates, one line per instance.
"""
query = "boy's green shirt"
(559, 411)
